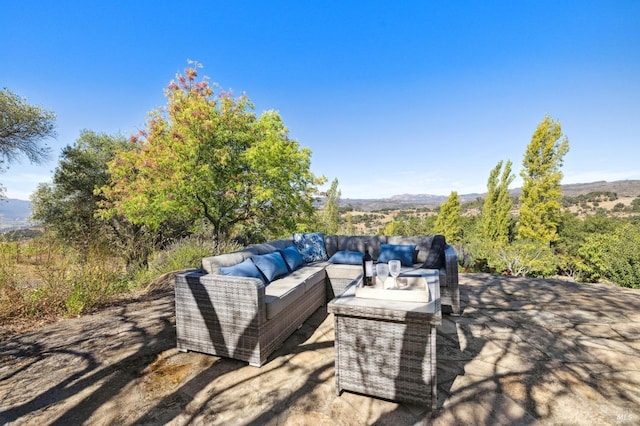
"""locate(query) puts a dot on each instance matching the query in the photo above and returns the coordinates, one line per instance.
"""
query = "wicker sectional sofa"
(245, 319)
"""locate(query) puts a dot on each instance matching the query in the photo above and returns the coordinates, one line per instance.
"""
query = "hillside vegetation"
(208, 175)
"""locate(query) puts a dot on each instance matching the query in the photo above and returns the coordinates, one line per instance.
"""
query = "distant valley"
(623, 188)
(14, 213)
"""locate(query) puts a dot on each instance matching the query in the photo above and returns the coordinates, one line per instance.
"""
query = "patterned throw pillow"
(311, 246)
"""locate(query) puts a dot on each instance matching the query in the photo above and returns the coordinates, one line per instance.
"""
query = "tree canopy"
(22, 128)
(449, 222)
(209, 156)
(330, 214)
(496, 209)
(68, 204)
(541, 198)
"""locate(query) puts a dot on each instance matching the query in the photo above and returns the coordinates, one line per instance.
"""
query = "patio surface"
(524, 351)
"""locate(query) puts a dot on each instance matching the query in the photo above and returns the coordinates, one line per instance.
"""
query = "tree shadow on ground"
(226, 386)
(57, 354)
(542, 350)
(523, 351)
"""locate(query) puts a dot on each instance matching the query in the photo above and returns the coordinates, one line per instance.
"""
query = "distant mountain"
(11, 209)
(404, 201)
(14, 213)
(624, 188)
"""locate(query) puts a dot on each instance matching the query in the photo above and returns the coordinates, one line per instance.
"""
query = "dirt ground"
(524, 351)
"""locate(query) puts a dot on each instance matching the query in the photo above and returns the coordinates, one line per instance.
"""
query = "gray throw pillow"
(435, 257)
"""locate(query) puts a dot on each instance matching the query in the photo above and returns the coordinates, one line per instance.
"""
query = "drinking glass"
(394, 270)
(382, 271)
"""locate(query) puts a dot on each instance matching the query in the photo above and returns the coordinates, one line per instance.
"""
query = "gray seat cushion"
(282, 292)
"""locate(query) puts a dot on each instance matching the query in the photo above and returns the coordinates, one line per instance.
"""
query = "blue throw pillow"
(402, 252)
(311, 246)
(244, 269)
(347, 257)
(292, 257)
(271, 265)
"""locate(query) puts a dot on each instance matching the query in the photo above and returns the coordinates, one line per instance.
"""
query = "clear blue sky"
(421, 97)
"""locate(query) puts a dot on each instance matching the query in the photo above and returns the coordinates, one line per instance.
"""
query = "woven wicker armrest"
(451, 265)
(228, 296)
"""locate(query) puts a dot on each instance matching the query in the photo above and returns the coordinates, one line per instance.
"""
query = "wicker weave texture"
(391, 360)
(337, 286)
(225, 316)
(449, 292)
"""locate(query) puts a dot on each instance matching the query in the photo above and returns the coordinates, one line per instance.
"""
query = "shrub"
(183, 254)
(621, 258)
(43, 278)
(593, 255)
(527, 258)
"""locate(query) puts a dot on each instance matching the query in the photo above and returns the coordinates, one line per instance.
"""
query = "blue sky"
(420, 97)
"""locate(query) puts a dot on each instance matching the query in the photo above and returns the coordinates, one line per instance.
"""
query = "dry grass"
(41, 280)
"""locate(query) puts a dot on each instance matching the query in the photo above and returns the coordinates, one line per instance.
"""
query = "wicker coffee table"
(387, 348)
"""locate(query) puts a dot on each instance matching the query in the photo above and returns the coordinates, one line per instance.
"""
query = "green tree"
(22, 128)
(593, 255)
(210, 157)
(406, 226)
(496, 211)
(449, 222)
(540, 201)
(330, 213)
(622, 257)
(68, 204)
(570, 236)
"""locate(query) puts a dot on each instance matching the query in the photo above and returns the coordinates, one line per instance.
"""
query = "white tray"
(409, 289)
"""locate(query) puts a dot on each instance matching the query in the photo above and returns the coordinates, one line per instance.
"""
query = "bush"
(593, 255)
(43, 278)
(184, 254)
(527, 258)
(621, 258)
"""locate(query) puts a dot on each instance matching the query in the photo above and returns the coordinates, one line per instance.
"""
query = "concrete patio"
(524, 351)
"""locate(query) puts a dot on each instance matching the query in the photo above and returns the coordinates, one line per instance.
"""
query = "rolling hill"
(14, 213)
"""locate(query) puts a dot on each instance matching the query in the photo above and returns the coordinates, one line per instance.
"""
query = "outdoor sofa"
(228, 309)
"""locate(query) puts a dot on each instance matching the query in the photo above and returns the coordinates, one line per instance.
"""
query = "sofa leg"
(455, 309)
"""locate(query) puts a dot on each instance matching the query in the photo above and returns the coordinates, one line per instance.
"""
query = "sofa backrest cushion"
(331, 244)
(357, 243)
(270, 246)
(246, 268)
(212, 264)
(272, 265)
(423, 245)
